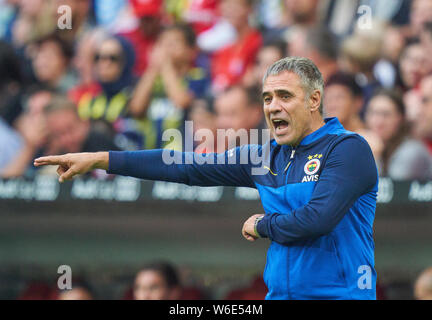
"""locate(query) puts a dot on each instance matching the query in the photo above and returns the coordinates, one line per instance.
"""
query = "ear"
(315, 100)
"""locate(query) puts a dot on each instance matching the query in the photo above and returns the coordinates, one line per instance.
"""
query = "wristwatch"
(255, 226)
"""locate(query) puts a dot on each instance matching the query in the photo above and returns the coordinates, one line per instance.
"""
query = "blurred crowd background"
(124, 71)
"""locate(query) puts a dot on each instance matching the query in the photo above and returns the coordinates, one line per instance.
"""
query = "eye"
(267, 100)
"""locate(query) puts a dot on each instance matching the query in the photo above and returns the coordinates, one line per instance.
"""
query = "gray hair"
(310, 76)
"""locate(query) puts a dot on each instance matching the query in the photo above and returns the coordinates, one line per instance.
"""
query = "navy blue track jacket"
(319, 200)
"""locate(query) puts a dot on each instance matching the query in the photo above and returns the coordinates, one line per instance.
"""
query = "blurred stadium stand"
(106, 229)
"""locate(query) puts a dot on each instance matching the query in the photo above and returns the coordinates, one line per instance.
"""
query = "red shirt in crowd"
(202, 14)
(75, 94)
(142, 46)
(230, 63)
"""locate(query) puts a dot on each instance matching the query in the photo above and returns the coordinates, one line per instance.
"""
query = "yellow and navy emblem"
(313, 165)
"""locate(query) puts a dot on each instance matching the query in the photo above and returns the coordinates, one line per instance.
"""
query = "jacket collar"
(331, 126)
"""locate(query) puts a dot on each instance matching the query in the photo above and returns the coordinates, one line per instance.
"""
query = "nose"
(274, 106)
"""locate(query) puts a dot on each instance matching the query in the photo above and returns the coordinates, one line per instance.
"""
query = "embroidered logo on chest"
(311, 167)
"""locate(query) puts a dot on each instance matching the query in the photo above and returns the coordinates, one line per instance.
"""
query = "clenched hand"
(248, 230)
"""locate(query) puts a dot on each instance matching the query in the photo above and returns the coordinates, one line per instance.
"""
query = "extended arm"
(349, 172)
(211, 169)
(183, 167)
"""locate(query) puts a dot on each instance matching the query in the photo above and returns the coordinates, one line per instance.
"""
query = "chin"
(282, 140)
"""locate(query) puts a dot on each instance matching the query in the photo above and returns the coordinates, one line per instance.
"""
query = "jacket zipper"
(289, 164)
(287, 170)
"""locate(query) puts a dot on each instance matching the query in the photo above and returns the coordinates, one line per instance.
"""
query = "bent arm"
(349, 172)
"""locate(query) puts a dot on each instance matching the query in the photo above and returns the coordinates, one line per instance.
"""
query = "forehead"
(232, 99)
(285, 80)
(61, 116)
(176, 34)
(110, 45)
(149, 276)
(337, 88)
(382, 102)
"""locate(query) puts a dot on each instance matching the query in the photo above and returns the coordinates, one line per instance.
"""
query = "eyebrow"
(278, 92)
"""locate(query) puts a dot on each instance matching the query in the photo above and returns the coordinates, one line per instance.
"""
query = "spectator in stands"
(51, 63)
(317, 44)
(423, 285)
(239, 109)
(84, 64)
(392, 44)
(70, 133)
(200, 14)
(76, 293)
(114, 61)
(302, 13)
(157, 281)
(221, 33)
(343, 99)
(32, 135)
(287, 17)
(267, 55)
(170, 83)
(412, 65)
(145, 35)
(422, 126)
(230, 63)
(34, 20)
(402, 157)
(203, 117)
(20, 136)
(11, 84)
(426, 42)
(421, 12)
(359, 54)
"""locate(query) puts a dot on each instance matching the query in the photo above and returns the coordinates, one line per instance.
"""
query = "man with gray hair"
(318, 190)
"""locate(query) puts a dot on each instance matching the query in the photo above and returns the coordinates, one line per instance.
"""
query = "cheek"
(375, 123)
(395, 126)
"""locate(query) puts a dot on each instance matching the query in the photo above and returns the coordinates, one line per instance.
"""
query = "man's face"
(421, 11)
(423, 124)
(232, 110)
(150, 285)
(176, 46)
(67, 130)
(49, 63)
(286, 110)
(109, 61)
(235, 11)
(383, 118)
(301, 11)
(339, 102)
(412, 65)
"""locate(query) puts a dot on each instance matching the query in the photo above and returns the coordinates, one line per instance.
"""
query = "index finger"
(49, 160)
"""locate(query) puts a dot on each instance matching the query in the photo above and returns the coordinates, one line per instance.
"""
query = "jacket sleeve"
(348, 173)
(230, 168)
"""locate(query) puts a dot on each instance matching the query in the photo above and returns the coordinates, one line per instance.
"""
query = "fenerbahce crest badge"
(311, 167)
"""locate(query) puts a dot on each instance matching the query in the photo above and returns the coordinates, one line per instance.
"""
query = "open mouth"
(280, 125)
